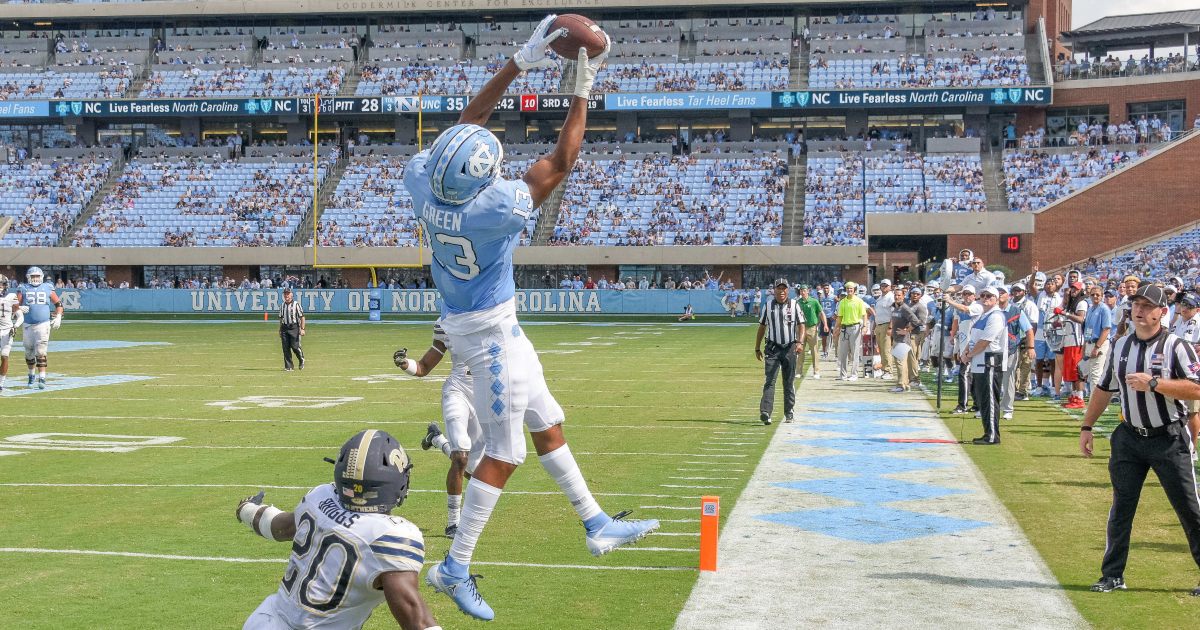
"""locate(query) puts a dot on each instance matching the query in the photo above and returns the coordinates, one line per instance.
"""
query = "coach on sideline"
(1155, 372)
(291, 329)
(783, 325)
(852, 315)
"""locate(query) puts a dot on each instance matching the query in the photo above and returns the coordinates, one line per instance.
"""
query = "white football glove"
(24, 309)
(585, 72)
(533, 53)
(55, 322)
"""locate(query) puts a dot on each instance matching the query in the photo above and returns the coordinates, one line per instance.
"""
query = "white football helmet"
(34, 276)
(3, 284)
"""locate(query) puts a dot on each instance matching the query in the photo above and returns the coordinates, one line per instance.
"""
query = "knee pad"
(41, 360)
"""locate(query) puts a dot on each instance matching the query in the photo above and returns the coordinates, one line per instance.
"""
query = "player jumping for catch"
(473, 219)
(349, 554)
(463, 440)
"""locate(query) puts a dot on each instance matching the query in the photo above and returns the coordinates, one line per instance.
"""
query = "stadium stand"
(655, 199)
(371, 208)
(1177, 255)
(198, 197)
(876, 53)
(833, 199)
(45, 196)
(1034, 179)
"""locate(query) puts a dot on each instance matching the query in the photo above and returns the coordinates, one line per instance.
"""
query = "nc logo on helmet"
(482, 160)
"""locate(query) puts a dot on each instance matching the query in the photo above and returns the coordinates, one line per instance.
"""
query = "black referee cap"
(1153, 294)
(782, 282)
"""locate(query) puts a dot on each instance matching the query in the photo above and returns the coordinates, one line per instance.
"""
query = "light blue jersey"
(38, 300)
(472, 243)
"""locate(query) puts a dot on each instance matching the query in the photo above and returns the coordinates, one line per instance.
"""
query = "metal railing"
(1079, 71)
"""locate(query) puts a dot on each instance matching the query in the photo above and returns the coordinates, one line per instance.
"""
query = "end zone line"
(163, 556)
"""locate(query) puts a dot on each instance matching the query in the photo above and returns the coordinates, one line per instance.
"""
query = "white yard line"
(474, 563)
(950, 555)
(252, 486)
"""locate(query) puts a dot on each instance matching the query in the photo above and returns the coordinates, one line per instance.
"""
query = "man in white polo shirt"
(883, 322)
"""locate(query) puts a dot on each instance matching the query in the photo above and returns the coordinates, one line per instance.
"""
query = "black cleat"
(765, 417)
(451, 530)
(1110, 584)
(301, 363)
(959, 409)
(789, 418)
(984, 441)
(430, 433)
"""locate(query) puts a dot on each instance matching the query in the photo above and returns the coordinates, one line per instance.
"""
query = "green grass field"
(1061, 500)
(645, 404)
(641, 401)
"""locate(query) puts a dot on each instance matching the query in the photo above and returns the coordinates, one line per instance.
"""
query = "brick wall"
(1118, 97)
(1139, 202)
(987, 247)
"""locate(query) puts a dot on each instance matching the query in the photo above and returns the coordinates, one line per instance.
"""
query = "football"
(581, 33)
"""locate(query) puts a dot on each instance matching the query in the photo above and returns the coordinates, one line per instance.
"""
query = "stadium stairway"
(548, 216)
(993, 181)
(350, 82)
(328, 187)
(1134, 204)
(798, 64)
(114, 173)
(793, 205)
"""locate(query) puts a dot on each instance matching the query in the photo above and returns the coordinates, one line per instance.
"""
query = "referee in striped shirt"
(1155, 373)
(291, 329)
(783, 325)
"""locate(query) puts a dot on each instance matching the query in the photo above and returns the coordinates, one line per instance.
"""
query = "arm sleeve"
(1185, 364)
(1108, 379)
(762, 315)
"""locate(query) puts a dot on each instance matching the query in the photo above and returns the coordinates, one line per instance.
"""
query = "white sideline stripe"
(675, 533)
(720, 449)
(678, 520)
(667, 485)
(707, 470)
(268, 487)
(710, 463)
(164, 556)
(668, 507)
(334, 449)
(704, 478)
(729, 444)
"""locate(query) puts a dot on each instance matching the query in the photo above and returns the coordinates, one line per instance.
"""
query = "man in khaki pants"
(852, 314)
(883, 324)
(815, 325)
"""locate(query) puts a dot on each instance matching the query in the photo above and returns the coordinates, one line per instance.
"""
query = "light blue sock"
(455, 568)
(597, 521)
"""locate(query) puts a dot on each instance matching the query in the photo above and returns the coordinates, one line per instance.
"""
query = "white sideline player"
(463, 440)
(36, 297)
(349, 554)
(10, 320)
(473, 219)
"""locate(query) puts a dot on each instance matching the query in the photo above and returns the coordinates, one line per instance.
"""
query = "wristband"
(1085, 428)
(412, 367)
(259, 517)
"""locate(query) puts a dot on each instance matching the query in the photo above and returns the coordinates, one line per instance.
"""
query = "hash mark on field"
(678, 520)
(163, 556)
(674, 533)
(667, 485)
(709, 464)
(668, 507)
(705, 478)
(731, 443)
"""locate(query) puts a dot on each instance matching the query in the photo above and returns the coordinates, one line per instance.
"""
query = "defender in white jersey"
(10, 320)
(463, 439)
(473, 218)
(349, 554)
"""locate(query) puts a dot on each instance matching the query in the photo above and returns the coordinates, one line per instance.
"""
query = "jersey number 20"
(301, 546)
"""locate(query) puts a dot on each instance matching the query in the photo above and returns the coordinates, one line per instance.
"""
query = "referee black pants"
(777, 356)
(1132, 457)
(987, 388)
(290, 336)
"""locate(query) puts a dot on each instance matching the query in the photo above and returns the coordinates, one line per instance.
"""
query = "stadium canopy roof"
(1170, 29)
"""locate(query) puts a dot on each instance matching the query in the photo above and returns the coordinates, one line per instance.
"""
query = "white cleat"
(618, 532)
